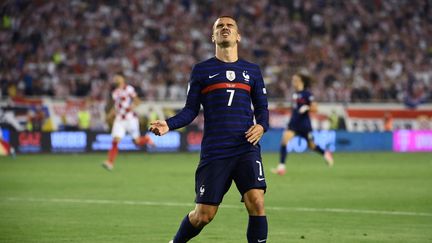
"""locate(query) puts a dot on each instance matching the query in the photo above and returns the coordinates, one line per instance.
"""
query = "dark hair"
(306, 80)
(225, 16)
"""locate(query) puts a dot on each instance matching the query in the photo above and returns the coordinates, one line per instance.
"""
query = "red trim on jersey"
(224, 86)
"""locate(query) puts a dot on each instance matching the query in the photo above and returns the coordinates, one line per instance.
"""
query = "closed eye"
(219, 26)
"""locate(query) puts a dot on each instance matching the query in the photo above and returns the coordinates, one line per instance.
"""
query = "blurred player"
(225, 86)
(5, 147)
(125, 100)
(300, 123)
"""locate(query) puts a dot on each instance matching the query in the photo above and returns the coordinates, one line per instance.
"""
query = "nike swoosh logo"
(214, 75)
(261, 179)
(262, 240)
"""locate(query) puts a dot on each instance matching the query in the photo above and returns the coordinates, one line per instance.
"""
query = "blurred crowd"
(356, 50)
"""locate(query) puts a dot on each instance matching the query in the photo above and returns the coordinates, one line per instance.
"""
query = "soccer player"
(5, 147)
(125, 100)
(300, 123)
(226, 87)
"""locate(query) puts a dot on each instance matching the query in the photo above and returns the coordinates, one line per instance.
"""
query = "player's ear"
(238, 37)
(213, 39)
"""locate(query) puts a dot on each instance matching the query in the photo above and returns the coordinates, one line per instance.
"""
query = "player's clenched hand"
(303, 109)
(159, 127)
(254, 134)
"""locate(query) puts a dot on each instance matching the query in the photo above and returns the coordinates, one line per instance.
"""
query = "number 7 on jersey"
(231, 91)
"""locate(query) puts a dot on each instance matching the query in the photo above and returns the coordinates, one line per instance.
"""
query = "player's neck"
(227, 54)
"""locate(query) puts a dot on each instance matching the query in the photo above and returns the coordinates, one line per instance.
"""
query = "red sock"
(143, 140)
(6, 146)
(113, 152)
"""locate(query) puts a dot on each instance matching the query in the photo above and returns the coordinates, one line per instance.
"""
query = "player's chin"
(224, 43)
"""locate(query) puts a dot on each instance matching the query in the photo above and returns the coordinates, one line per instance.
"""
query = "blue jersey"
(227, 92)
(300, 122)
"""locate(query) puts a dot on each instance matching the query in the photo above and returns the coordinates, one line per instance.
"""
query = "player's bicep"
(192, 106)
(260, 103)
(259, 92)
(193, 95)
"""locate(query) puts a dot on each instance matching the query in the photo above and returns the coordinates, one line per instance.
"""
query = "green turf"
(70, 198)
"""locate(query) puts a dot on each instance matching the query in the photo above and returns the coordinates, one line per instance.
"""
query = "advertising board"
(412, 141)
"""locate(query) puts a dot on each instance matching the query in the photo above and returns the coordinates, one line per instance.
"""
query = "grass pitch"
(366, 197)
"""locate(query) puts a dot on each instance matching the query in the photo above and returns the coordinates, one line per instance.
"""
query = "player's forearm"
(262, 118)
(183, 118)
(261, 112)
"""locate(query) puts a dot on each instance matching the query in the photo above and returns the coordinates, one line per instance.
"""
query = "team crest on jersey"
(230, 75)
(246, 76)
(202, 190)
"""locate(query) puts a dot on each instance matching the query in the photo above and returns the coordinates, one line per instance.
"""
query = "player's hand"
(159, 127)
(303, 109)
(254, 134)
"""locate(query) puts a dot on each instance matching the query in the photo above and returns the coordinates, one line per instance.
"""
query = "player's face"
(225, 32)
(297, 83)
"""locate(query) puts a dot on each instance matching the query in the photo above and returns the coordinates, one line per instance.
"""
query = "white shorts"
(123, 126)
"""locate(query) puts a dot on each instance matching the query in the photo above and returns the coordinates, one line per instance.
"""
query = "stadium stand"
(358, 51)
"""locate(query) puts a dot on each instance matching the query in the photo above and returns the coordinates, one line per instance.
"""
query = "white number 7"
(231, 91)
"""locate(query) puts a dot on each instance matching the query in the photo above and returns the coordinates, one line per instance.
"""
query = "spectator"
(360, 51)
(84, 117)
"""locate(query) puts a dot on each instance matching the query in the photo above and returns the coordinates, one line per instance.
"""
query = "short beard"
(224, 44)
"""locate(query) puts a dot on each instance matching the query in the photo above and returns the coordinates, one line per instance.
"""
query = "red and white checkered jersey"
(123, 99)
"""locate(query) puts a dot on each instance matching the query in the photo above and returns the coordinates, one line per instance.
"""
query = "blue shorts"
(304, 133)
(213, 178)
